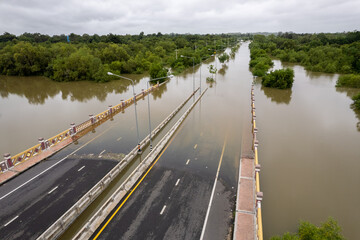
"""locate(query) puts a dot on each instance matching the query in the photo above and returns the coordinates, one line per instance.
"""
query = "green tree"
(281, 79)
(329, 230)
(157, 71)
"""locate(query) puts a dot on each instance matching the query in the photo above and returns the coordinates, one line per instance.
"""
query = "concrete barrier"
(248, 222)
(57, 228)
(96, 220)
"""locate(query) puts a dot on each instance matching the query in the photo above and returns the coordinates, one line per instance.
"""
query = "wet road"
(193, 158)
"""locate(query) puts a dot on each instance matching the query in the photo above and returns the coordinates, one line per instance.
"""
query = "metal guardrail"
(10, 161)
(57, 228)
(96, 220)
(259, 194)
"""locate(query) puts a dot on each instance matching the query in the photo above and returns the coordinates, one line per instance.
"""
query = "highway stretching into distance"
(189, 193)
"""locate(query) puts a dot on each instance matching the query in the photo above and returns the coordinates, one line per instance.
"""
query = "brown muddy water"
(309, 140)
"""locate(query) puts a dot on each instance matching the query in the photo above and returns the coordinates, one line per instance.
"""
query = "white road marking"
(187, 161)
(20, 186)
(81, 168)
(213, 191)
(11, 221)
(102, 152)
(177, 182)
(162, 210)
(195, 146)
(119, 139)
(53, 189)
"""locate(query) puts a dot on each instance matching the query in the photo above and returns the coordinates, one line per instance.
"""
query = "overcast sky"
(178, 16)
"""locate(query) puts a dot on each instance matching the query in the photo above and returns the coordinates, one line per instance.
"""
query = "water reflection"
(223, 69)
(319, 75)
(351, 92)
(38, 89)
(277, 95)
(159, 92)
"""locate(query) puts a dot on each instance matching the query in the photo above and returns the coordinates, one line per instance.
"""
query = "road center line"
(213, 191)
(81, 168)
(177, 182)
(11, 221)
(53, 189)
(187, 161)
(53, 165)
(162, 210)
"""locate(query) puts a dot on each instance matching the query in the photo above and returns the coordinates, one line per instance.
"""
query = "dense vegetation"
(356, 99)
(91, 57)
(330, 53)
(282, 79)
(260, 62)
(329, 230)
(349, 80)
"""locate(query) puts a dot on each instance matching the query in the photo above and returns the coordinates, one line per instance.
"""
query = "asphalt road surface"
(173, 200)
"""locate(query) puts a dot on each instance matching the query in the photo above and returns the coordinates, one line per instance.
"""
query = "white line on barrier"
(11, 221)
(81, 168)
(53, 165)
(162, 210)
(187, 161)
(53, 189)
(177, 182)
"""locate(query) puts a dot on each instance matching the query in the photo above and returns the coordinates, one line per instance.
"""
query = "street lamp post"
(193, 70)
(137, 128)
(147, 87)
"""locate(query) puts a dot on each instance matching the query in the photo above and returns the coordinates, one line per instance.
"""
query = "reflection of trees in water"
(38, 89)
(351, 92)
(320, 75)
(278, 95)
(223, 69)
(157, 93)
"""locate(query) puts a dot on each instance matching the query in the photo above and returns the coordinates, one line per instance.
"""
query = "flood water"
(309, 140)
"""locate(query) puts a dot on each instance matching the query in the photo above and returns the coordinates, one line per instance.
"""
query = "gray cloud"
(185, 16)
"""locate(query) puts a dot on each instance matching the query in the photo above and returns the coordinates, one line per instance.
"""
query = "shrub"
(328, 230)
(349, 80)
(281, 79)
(356, 103)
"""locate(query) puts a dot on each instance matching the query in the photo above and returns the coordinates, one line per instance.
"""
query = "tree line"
(90, 57)
(323, 52)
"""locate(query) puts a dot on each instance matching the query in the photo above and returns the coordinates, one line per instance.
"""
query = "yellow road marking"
(112, 216)
(195, 146)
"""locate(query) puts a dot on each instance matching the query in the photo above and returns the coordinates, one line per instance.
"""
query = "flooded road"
(309, 141)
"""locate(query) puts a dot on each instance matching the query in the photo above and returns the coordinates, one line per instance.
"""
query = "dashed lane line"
(162, 210)
(177, 182)
(187, 161)
(53, 189)
(81, 168)
(11, 221)
(31, 179)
